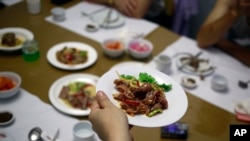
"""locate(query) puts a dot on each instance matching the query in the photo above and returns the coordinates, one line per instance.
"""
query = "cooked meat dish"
(78, 95)
(72, 56)
(136, 97)
(9, 39)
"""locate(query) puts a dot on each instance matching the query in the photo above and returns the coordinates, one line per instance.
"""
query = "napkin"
(231, 68)
(30, 111)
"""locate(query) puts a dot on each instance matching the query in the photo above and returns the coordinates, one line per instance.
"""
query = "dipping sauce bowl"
(219, 82)
(83, 131)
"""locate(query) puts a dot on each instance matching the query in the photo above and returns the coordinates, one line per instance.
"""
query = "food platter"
(128, 63)
(116, 19)
(56, 87)
(177, 99)
(92, 55)
(204, 66)
(21, 34)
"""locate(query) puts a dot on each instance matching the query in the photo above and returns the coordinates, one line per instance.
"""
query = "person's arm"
(241, 53)
(217, 24)
(109, 122)
(131, 8)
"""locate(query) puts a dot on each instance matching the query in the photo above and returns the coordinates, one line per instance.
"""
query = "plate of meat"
(73, 94)
(149, 98)
(12, 38)
(72, 55)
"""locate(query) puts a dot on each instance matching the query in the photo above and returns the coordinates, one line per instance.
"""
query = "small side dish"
(188, 82)
(113, 47)
(140, 48)
(9, 84)
(141, 96)
(72, 56)
(78, 94)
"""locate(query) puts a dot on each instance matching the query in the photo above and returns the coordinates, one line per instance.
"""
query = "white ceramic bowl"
(188, 82)
(140, 48)
(15, 78)
(219, 82)
(113, 47)
(83, 131)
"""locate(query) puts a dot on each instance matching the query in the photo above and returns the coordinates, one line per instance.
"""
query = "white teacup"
(58, 14)
(163, 63)
(83, 131)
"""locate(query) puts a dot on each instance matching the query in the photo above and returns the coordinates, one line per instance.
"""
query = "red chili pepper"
(69, 57)
(131, 102)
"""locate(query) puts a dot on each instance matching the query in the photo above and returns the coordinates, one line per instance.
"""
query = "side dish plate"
(177, 99)
(92, 55)
(21, 33)
(56, 87)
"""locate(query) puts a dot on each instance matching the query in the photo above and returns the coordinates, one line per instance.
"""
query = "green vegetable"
(128, 77)
(145, 77)
(76, 86)
(83, 53)
(154, 112)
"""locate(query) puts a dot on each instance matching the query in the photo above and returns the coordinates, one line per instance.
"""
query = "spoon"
(35, 134)
(243, 84)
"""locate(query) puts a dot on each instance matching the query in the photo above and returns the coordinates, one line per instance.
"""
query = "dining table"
(206, 121)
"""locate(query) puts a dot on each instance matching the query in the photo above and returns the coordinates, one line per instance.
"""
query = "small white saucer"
(188, 82)
(6, 137)
(10, 117)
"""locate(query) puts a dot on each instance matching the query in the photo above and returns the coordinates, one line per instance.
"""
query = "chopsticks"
(106, 20)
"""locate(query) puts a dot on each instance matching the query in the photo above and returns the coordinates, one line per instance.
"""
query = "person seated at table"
(151, 10)
(228, 28)
(108, 121)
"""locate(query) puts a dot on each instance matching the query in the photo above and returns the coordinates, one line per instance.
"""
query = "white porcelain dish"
(117, 50)
(21, 33)
(128, 64)
(4, 136)
(188, 82)
(56, 87)
(204, 69)
(17, 80)
(140, 48)
(8, 116)
(116, 19)
(82, 130)
(219, 82)
(177, 99)
(92, 55)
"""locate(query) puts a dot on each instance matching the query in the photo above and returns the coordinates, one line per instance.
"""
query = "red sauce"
(116, 45)
(6, 83)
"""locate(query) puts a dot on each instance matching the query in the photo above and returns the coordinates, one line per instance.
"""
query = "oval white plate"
(23, 33)
(177, 99)
(92, 55)
(116, 19)
(5, 136)
(56, 87)
(128, 63)
(188, 69)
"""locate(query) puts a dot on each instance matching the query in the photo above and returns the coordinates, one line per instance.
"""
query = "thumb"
(102, 99)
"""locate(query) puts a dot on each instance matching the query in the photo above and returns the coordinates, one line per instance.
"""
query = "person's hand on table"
(109, 122)
(127, 7)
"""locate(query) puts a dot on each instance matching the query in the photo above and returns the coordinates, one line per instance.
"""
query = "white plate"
(177, 99)
(203, 69)
(92, 55)
(22, 33)
(116, 19)
(6, 136)
(128, 63)
(56, 87)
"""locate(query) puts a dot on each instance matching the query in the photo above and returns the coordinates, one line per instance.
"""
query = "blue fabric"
(184, 10)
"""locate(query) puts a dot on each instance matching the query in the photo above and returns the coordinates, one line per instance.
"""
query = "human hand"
(109, 122)
(127, 7)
